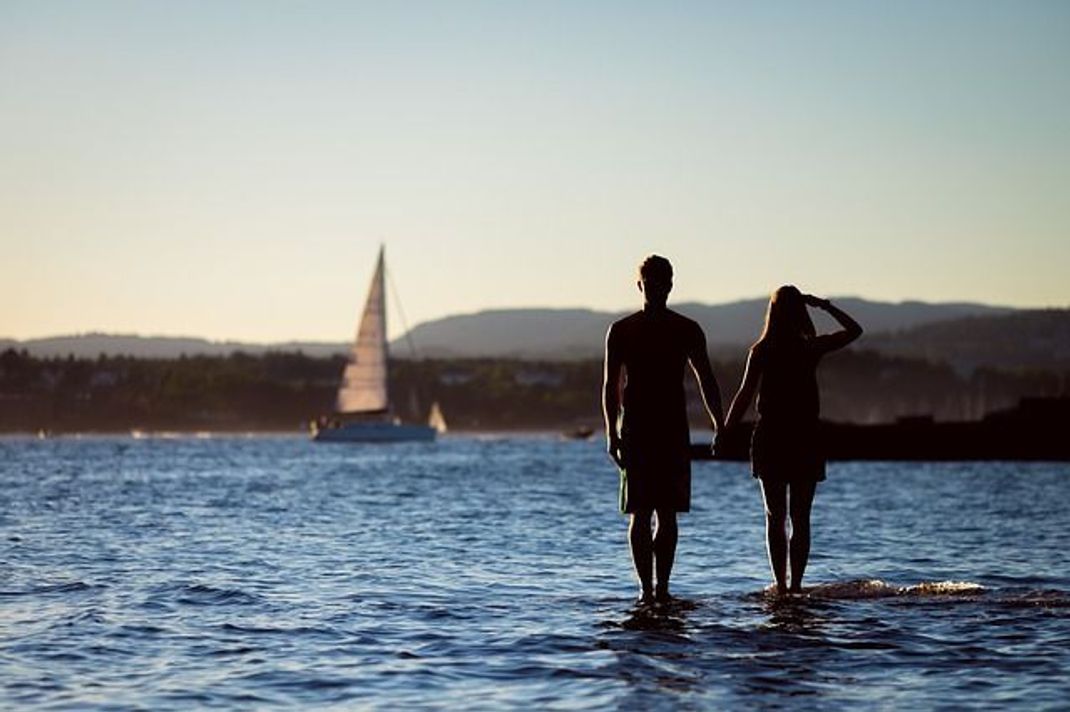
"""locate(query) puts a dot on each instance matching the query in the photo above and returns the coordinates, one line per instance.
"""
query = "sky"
(229, 169)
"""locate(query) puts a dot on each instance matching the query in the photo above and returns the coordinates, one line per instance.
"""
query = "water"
(490, 573)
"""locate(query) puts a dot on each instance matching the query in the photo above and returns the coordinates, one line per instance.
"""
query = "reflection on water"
(659, 617)
(797, 615)
(495, 573)
(654, 650)
(828, 644)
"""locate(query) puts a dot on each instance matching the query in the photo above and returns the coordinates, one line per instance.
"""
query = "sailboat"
(437, 420)
(362, 412)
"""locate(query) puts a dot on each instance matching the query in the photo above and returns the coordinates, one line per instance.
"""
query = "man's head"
(655, 280)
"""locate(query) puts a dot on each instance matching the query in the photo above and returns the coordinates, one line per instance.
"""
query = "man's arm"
(611, 392)
(707, 384)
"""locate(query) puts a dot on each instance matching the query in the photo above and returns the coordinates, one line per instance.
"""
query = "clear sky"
(228, 169)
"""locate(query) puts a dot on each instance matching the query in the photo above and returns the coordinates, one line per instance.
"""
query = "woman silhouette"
(786, 454)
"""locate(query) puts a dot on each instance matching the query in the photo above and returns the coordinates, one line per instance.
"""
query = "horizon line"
(91, 332)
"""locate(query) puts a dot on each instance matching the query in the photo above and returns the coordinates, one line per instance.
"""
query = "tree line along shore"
(281, 391)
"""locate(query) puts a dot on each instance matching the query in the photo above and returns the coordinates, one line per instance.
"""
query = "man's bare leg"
(642, 545)
(665, 551)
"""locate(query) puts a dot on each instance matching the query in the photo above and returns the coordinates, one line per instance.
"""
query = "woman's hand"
(615, 450)
(851, 329)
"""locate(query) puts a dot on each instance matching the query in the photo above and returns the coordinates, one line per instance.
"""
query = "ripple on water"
(59, 589)
(204, 595)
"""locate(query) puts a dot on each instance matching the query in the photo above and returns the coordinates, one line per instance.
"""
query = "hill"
(965, 335)
(94, 344)
(579, 333)
(1034, 339)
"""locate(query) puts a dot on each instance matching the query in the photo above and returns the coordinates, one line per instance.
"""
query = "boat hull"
(375, 433)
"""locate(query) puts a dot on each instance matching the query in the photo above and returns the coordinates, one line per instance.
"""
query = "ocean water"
(494, 573)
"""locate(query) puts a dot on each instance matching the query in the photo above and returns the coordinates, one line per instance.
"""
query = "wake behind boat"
(363, 411)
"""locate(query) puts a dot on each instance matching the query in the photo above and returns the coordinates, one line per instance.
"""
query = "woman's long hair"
(787, 317)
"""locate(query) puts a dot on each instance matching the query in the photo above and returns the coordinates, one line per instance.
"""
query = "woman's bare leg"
(775, 495)
(802, 496)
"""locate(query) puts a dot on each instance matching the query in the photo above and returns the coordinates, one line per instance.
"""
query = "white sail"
(437, 420)
(363, 388)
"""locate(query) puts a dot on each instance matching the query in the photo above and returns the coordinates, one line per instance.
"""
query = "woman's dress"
(786, 444)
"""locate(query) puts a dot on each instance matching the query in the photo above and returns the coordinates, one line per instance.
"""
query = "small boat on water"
(363, 412)
(580, 432)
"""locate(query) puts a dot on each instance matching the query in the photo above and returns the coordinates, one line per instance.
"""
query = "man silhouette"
(647, 430)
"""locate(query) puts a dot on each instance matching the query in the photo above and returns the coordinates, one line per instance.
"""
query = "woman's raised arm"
(851, 328)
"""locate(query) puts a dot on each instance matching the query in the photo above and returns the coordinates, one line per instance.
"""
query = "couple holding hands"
(648, 435)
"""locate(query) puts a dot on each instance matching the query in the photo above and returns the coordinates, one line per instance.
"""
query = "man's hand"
(614, 449)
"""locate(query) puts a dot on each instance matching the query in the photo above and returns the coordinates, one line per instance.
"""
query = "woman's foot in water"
(661, 595)
(646, 598)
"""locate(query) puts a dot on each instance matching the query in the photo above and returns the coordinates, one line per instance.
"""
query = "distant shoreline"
(1031, 431)
(248, 433)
